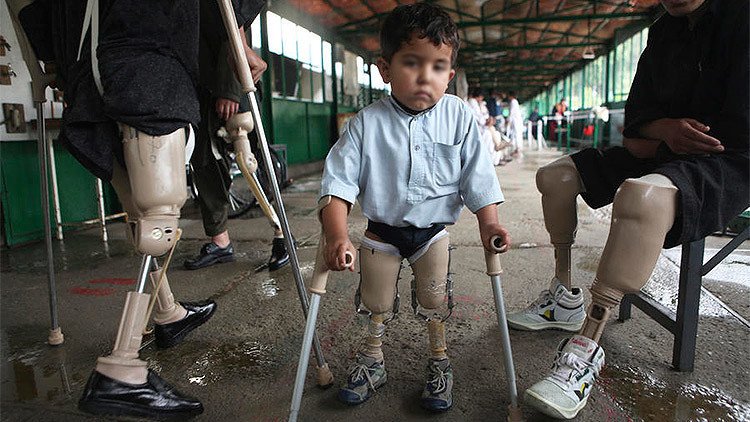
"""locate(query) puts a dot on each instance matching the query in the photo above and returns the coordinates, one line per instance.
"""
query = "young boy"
(412, 160)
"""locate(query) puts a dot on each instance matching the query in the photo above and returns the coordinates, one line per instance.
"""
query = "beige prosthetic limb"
(643, 212)
(431, 277)
(237, 128)
(559, 183)
(166, 309)
(379, 271)
(152, 191)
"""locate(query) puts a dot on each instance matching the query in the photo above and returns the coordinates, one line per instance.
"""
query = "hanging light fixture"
(588, 51)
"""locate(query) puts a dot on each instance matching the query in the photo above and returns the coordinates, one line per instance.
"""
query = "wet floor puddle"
(208, 364)
(40, 375)
(653, 400)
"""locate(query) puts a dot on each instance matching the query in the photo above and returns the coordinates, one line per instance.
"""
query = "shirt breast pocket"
(446, 166)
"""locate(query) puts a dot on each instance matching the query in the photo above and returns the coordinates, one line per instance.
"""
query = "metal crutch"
(39, 82)
(317, 288)
(325, 377)
(494, 270)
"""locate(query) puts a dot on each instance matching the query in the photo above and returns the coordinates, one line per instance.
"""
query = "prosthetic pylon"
(325, 378)
(317, 288)
(494, 270)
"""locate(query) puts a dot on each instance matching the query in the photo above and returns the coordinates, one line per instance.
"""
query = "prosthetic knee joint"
(643, 212)
(559, 183)
(156, 172)
(238, 126)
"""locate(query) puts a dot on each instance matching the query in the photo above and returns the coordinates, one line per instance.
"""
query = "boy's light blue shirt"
(416, 170)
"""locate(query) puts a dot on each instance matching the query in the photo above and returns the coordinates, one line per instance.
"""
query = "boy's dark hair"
(423, 20)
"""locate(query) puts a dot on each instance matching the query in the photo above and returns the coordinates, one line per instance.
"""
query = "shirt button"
(416, 148)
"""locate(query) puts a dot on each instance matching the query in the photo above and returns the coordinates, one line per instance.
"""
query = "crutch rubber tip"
(515, 414)
(56, 337)
(325, 377)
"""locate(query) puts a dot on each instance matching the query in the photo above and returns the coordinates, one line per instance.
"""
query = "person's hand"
(257, 65)
(226, 108)
(683, 136)
(335, 254)
(490, 230)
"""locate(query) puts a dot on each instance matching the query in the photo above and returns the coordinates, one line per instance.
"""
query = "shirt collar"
(403, 109)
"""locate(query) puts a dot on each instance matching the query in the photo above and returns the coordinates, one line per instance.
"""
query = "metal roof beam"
(557, 18)
(491, 48)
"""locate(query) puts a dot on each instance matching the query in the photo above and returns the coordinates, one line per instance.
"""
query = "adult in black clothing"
(221, 98)
(129, 71)
(682, 174)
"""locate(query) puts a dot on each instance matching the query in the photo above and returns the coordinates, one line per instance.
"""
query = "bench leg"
(625, 306)
(688, 301)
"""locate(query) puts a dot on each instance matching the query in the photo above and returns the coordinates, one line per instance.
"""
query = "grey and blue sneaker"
(565, 391)
(438, 392)
(365, 376)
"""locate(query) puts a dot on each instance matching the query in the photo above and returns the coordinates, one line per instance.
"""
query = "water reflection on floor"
(641, 393)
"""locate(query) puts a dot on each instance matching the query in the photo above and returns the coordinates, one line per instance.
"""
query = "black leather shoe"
(210, 254)
(168, 335)
(279, 254)
(155, 399)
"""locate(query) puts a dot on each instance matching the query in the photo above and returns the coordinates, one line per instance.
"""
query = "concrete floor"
(242, 363)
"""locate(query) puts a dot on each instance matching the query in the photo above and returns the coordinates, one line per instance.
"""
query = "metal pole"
(100, 201)
(55, 192)
(55, 334)
(304, 357)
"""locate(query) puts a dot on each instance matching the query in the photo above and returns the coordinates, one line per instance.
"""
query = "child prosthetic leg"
(152, 192)
(643, 212)
(432, 281)
(380, 266)
(237, 128)
(560, 306)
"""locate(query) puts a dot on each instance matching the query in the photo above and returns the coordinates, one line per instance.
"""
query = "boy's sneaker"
(565, 391)
(365, 376)
(438, 392)
(560, 309)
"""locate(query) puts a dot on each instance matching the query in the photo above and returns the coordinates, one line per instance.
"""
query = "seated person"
(682, 174)
(413, 160)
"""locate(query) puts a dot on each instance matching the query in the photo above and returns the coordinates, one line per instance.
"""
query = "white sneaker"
(559, 309)
(564, 392)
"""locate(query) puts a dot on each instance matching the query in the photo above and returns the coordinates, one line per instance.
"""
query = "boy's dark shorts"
(713, 188)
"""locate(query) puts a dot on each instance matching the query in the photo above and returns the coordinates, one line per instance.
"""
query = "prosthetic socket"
(559, 183)
(643, 212)
(156, 172)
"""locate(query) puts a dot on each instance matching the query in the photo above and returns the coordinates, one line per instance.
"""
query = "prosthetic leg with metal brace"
(324, 376)
(39, 82)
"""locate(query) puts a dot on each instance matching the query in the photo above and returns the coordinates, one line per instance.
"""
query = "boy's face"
(418, 72)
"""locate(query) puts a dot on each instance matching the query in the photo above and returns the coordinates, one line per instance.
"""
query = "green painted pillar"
(265, 54)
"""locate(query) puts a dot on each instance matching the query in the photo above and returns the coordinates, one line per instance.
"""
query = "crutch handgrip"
(320, 273)
(237, 50)
(492, 259)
